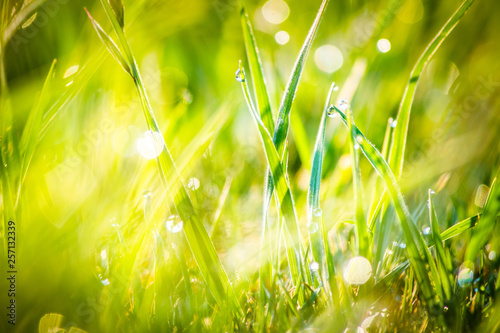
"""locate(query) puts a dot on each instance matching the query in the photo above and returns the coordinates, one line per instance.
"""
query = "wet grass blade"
(363, 237)
(283, 120)
(285, 200)
(256, 72)
(418, 252)
(315, 220)
(484, 229)
(197, 236)
(396, 157)
(442, 262)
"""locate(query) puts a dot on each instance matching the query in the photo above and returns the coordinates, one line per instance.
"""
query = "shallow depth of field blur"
(99, 245)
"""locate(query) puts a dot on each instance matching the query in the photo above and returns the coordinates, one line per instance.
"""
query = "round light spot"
(275, 11)
(150, 145)
(383, 45)
(282, 37)
(314, 267)
(328, 58)
(358, 271)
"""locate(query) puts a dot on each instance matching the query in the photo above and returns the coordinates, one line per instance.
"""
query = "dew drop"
(187, 97)
(445, 309)
(312, 227)
(356, 146)
(335, 87)
(359, 138)
(174, 224)
(402, 245)
(358, 271)
(492, 255)
(343, 104)
(331, 112)
(427, 230)
(193, 184)
(314, 266)
(394, 123)
(240, 75)
(318, 212)
(432, 192)
(103, 280)
(465, 277)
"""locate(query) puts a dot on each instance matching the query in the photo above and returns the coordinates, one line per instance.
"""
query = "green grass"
(244, 222)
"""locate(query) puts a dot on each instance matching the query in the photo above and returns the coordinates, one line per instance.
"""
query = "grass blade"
(29, 139)
(396, 157)
(442, 262)
(197, 236)
(314, 216)
(416, 247)
(484, 229)
(363, 237)
(258, 80)
(110, 44)
(286, 205)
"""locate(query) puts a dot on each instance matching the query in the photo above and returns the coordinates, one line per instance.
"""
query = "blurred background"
(94, 171)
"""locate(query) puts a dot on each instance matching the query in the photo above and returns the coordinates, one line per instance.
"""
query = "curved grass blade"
(285, 200)
(396, 157)
(26, 12)
(256, 71)
(110, 44)
(197, 236)
(29, 138)
(418, 252)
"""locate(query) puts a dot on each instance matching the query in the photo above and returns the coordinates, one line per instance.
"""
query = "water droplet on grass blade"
(240, 75)
(358, 271)
(465, 277)
(394, 123)
(317, 212)
(174, 224)
(335, 87)
(343, 104)
(402, 245)
(427, 230)
(331, 112)
(492, 255)
(312, 227)
(356, 146)
(193, 184)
